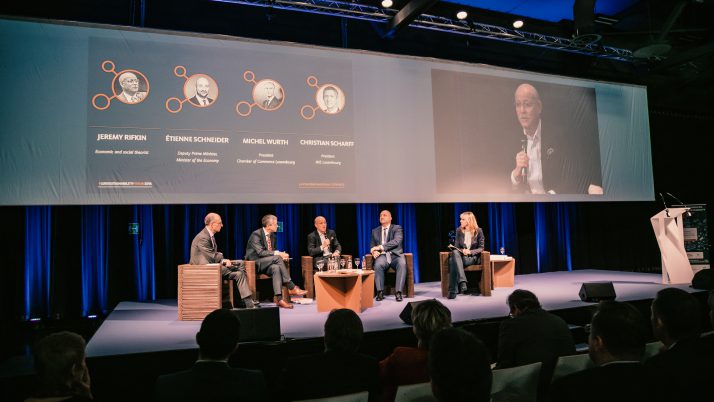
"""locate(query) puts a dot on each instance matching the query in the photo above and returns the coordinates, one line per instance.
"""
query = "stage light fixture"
(462, 15)
(387, 3)
(518, 24)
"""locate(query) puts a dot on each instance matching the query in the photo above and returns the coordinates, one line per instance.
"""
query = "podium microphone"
(689, 214)
(666, 210)
(524, 144)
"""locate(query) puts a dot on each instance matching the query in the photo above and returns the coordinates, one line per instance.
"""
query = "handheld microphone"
(666, 210)
(524, 145)
(680, 203)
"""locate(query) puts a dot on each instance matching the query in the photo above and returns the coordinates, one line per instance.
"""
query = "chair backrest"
(571, 364)
(357, 397)
(521, 381)
(652, 349)
(415, 392)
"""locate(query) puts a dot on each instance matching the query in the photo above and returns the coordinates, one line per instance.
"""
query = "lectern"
(669, 231)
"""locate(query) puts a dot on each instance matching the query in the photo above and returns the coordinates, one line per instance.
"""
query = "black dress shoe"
(463, 288)
(398, 296)
(380, 295)
(451, 295)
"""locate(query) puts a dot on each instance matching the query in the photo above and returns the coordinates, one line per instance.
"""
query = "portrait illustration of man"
(331, 100)
(203, 87)
(130, 92)
(273, 96)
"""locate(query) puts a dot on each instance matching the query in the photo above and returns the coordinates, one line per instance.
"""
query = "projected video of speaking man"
(502, 135)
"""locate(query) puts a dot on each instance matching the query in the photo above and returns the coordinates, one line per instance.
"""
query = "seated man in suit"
(388, 251)
(204, 250)
(617, 343)
(262, 249)
(682, 371)
(340, 370)
(61, 372)
(211, 378)
(322, 243)
(459, 367)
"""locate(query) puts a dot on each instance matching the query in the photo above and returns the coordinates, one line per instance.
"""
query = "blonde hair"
(471, 224)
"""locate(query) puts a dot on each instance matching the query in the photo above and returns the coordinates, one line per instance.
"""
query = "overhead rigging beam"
(407, 14)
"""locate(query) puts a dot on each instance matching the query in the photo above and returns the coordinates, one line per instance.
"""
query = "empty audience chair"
(356, 397)
(519, 383)
(486, 284)
(408, 283)
(252, 278)
(306, 263)
(571, 364)
(415, 392)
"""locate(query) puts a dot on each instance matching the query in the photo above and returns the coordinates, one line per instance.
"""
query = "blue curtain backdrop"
(367, 218)
(328, 211)
(246, 221)
(95, 258)
(406, 217)
(502, 228)
(288, 240)
(144, 253)
(552, 227)
(38, 262)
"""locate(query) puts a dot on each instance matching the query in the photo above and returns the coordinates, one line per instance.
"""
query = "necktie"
(213, 242)
(205, 102)
(384, 235)
(267, 241)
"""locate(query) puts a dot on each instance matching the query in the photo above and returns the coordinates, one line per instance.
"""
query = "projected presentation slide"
(114, 115)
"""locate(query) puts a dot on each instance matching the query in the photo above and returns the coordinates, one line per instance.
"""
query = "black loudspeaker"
(597, 291)
(259, 324)
(703, 280)
(406, 314)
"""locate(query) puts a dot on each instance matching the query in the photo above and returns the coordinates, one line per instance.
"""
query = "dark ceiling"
(673, 40)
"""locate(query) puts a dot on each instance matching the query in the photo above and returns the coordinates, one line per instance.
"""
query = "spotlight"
(518, 24)
(462, 15)
(387, 3)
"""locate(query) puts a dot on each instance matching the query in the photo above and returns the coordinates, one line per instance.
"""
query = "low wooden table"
(344, 288)
(503, 269)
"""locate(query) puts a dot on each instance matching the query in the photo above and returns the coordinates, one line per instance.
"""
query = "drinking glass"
(357, 262)
(342, 263)
(320, 264)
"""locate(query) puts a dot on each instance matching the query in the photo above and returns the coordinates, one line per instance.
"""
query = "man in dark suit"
(201, 98)
(340, 369)
(271, 100)
(617, 343)
(553, 159)
(211, 378)
(262, 248)
(204, 250)
(322, 243)
(388, 251)
(532, 335)
(682, 371)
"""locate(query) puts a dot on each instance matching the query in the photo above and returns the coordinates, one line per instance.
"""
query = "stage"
(135, 327)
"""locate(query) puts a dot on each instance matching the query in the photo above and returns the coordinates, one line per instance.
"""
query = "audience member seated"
(407, 365)
(617, 341)
(459, 367)
(60, 369)
(211, 378)
(339, 370)
(682, 371)
(532, 335)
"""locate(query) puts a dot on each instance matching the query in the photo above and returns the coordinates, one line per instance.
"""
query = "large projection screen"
(112, 115)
